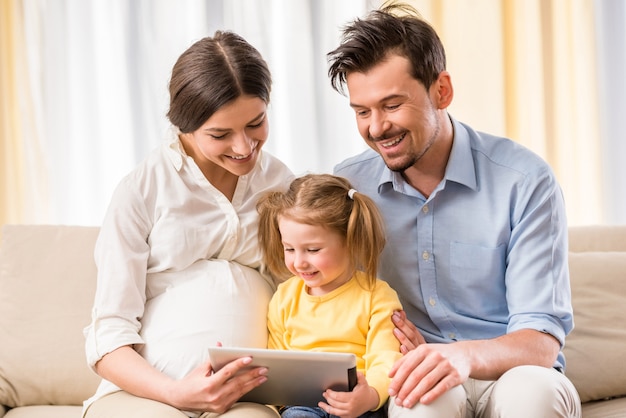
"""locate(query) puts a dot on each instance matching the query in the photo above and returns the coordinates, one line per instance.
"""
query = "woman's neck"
(223, 180)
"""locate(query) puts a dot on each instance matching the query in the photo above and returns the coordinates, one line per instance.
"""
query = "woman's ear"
(443, 90)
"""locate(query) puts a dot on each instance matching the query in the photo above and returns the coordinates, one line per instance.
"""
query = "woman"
(177, 255)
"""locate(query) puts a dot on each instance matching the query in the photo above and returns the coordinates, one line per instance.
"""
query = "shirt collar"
(174, 148)
(460, 168)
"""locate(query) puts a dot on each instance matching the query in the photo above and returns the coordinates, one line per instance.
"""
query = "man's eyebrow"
(384, 99)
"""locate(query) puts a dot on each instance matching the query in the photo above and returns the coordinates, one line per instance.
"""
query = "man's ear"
(443, 90)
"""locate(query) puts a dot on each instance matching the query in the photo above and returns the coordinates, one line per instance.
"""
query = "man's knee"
(534, 391)
(451, 404)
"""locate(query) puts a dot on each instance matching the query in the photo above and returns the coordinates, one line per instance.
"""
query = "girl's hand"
(206, 391)
(363, 398)
(406, 332)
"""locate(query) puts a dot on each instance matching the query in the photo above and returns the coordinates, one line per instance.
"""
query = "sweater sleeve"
(383, 348)
(276, 320)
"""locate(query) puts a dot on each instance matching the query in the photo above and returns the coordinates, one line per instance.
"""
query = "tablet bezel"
(294, 377)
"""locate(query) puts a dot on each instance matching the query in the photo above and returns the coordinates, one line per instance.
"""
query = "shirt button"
(432, 301)
(452, 336)
(425, 255)
(425, 208)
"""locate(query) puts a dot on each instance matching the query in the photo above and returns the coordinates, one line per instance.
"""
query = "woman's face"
(231, 138)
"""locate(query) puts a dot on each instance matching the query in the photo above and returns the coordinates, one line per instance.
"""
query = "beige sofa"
(47, 281)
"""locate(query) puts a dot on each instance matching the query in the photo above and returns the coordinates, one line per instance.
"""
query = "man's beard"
(403, 163)
(410, 159)
(401, 166)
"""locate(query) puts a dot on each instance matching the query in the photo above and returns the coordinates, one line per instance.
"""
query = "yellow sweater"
(349, 319)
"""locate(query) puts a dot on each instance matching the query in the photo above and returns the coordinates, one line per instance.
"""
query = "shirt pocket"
(477, 281)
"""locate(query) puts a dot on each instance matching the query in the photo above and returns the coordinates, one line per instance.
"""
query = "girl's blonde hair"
(323, 200)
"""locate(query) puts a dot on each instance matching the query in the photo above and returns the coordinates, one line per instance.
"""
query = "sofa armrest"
(47, 286)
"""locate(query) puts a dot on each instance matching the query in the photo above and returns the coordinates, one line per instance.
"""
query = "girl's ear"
(442, 90)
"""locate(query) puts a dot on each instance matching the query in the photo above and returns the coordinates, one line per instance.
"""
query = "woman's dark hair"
(394, 29)
(211, 73)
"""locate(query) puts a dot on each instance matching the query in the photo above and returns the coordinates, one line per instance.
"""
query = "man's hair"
(211, 73)
(394, 29)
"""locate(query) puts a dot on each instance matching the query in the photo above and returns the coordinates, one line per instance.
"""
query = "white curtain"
(611, 45)
(99, 73)
(311, 125)
(99, 70)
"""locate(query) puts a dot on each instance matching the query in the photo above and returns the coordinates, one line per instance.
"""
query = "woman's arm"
(200, 390)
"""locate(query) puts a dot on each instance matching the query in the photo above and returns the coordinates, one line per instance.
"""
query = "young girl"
(328, 237)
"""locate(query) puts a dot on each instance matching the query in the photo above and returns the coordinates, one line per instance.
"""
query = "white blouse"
(178, 264)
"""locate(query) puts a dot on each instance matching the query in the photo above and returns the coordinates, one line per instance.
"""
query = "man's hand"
(427, 372)
(406, 332)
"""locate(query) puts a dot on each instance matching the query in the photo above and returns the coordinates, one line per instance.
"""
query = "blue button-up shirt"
(486, 253)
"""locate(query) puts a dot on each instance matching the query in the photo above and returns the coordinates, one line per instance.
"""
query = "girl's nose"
(299, 261)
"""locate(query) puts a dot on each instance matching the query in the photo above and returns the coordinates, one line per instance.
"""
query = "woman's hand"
(363, 398)
(203, 390)
(406, 332)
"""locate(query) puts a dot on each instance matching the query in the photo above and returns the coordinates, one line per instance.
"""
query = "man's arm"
(429, 370)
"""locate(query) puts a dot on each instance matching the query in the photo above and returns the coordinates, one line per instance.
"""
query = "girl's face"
(231, 138)
(316, 254)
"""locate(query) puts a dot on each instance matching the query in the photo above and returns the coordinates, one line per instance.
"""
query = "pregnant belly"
(216, 301)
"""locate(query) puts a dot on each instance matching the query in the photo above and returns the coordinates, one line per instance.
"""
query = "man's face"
(395, 113)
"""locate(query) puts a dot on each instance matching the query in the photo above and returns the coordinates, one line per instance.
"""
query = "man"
(477, 234)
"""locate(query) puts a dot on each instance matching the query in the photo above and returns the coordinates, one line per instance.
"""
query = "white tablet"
(294, 377)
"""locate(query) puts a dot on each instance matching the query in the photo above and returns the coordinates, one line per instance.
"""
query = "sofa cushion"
(613, 408)
(594, 352)
(47, 284)
(46, 411)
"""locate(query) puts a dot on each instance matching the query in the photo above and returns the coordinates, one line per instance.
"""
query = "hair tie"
(351, 193)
